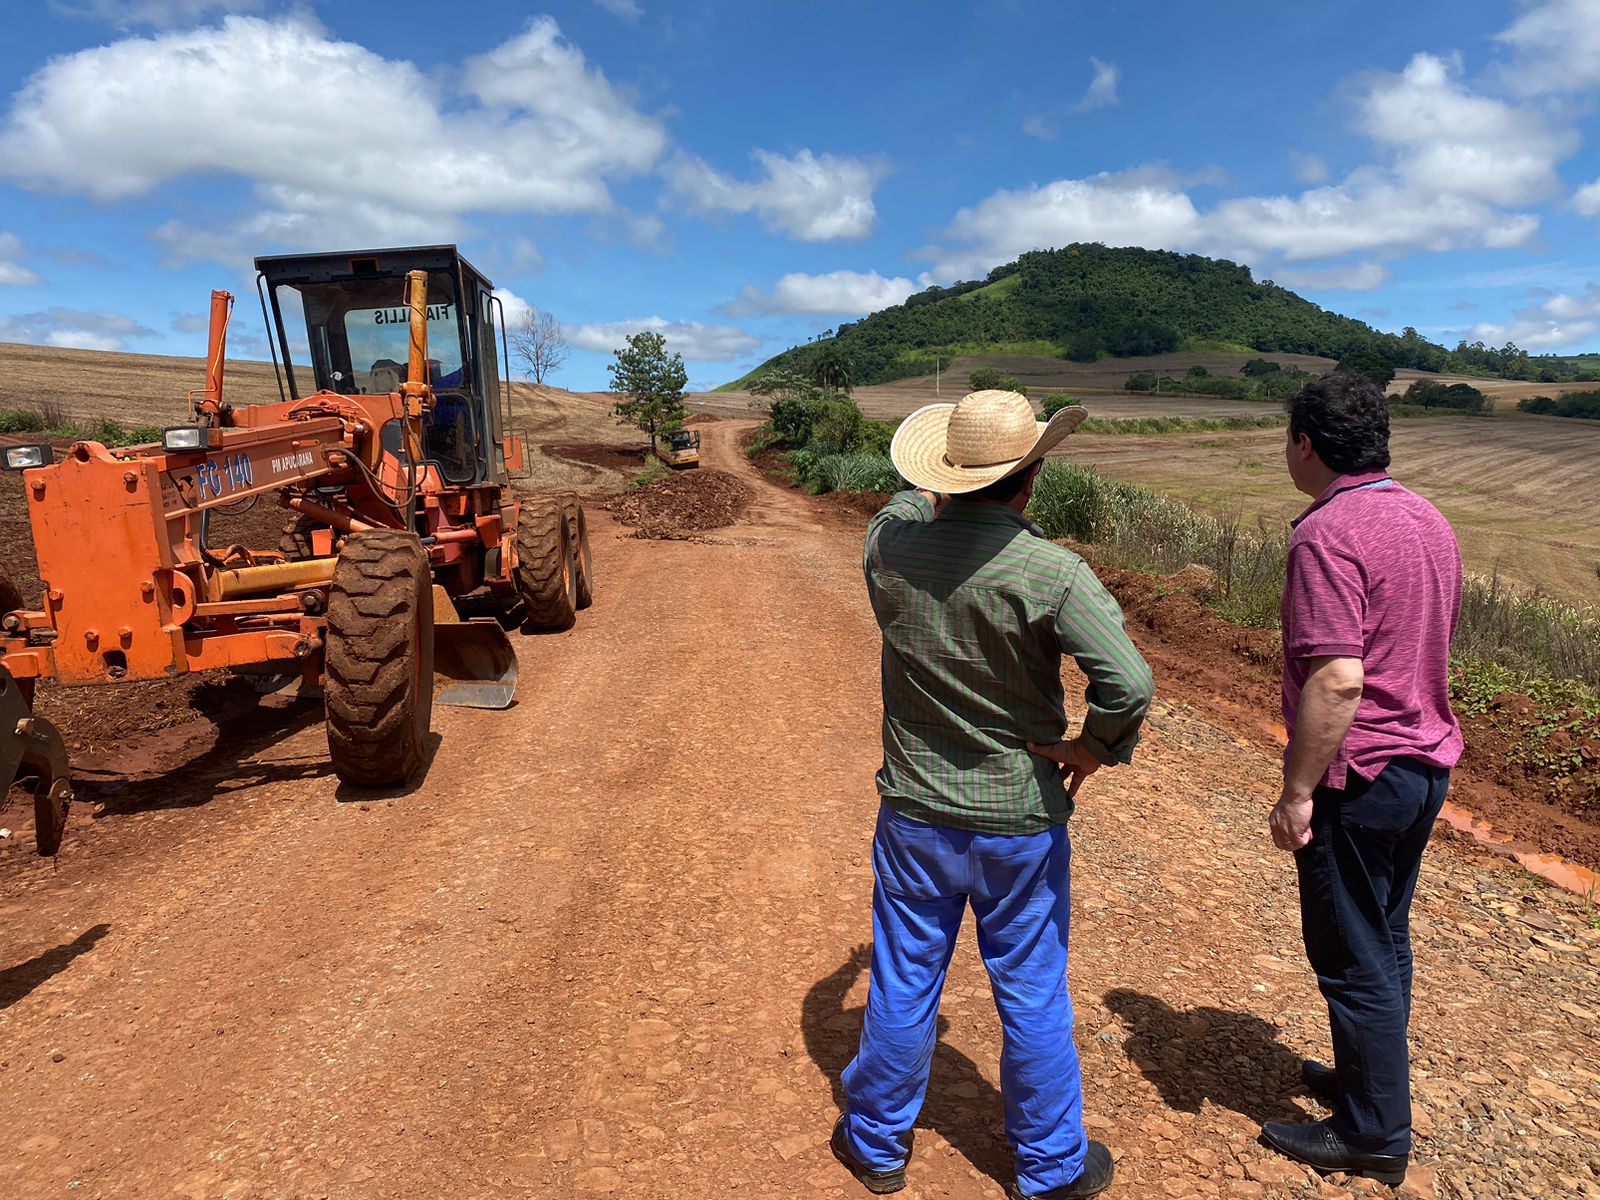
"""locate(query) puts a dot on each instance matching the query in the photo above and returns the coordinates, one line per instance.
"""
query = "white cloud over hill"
(707, 343)
(841, 293)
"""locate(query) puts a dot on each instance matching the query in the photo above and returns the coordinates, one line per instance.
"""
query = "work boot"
(1319, 1147)
(1091, 1181)
(878, 1182)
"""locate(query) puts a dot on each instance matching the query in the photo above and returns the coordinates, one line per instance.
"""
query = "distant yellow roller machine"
(681, 450)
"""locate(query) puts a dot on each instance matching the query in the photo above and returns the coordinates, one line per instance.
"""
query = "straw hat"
(955, 448)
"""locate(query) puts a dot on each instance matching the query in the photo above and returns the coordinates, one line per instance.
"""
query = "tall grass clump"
(859, 472)
(1149, 531)
(1527, 632)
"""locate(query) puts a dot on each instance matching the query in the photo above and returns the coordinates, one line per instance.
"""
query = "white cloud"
(73, 328)
(709, 343)
(1559, 322)
(1103, 90)
(1045, 125)
(161, 14)
(1446, 138)
(845, 293)
(514, 305)
(1117, 209)
(810, 197)
(534, 129)
(628, 10)
(1308, 168)
(1587, 199)
(13, 272)
(1555, 48)
(1355, 277)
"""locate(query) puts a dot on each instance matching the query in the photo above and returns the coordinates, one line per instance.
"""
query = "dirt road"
(611, 943)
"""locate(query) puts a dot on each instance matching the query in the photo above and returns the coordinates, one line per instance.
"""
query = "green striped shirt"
(977, 607)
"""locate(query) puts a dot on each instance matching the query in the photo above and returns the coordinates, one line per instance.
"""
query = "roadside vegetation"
(51, 422)
(822, 435)
(1523, 633)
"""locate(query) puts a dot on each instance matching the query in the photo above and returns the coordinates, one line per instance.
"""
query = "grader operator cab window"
(360, 338)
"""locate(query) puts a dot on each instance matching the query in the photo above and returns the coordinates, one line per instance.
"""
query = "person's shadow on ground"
(1191, 1055)
(962, 1106)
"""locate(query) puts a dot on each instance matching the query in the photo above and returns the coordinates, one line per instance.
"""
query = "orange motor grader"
(391, 447)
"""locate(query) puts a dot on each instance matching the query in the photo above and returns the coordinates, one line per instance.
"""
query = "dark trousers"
(1357, 877)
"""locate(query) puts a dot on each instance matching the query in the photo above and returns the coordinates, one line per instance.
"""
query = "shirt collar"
(988, 512)
(1341, 485)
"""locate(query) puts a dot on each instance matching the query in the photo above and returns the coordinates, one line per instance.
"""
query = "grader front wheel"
(547, 575)
(378, 684)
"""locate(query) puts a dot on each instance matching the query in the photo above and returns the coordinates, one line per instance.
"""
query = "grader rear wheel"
(378, 684)
(578, 535)
(546, 570)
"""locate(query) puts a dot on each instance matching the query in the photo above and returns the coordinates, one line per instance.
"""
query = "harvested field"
(683, 504)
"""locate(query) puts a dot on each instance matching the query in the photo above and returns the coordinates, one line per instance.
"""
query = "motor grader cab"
(681, 449)
(391, 448)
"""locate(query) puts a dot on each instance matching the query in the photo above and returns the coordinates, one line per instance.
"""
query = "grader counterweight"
(392, 449)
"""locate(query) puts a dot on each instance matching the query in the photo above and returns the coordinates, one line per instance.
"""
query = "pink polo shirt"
(1374, 573)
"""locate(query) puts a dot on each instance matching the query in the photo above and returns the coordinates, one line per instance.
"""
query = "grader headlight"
(22, 458)
(183, 439)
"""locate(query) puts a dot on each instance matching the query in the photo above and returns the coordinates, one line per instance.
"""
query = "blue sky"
(744, 175)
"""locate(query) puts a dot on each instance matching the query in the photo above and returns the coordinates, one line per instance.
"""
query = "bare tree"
(539, 343)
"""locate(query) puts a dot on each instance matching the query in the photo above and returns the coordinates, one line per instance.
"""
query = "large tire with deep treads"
(295, 540)
(583, 562)
(378, 685)
(546, 575)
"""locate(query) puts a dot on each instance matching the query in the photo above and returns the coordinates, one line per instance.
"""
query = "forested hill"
(1090, 301)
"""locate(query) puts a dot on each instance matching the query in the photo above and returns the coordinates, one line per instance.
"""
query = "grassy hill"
(1089, 302)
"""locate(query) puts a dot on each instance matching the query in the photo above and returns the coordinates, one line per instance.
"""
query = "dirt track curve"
(612, 943)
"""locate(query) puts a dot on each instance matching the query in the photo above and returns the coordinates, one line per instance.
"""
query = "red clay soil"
(683, 505)
(703, 419)
(625, 459)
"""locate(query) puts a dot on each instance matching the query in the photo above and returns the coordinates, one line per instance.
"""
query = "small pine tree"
(651, 385)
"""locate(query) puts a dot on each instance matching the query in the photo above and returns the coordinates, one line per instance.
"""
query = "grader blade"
(475, 656)
(31, 742)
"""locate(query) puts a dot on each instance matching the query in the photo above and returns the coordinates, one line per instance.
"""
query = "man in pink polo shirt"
(1369, 607)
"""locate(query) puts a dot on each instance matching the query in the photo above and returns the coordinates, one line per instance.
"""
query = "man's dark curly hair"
(1347, 419)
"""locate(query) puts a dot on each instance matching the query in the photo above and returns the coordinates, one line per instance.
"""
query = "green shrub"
(1054, 403)
(987, 378)
(1585, 406)
(16, 421)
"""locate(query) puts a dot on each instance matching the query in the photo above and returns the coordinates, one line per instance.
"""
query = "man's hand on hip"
(1290, 821)
(1074, 759)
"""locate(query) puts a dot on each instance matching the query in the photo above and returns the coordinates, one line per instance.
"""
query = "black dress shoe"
(1322, 1082)
(879, 1183)
(1320, 1147)
(1091, 1181)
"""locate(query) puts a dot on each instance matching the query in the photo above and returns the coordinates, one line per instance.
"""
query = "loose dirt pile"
(684, 505)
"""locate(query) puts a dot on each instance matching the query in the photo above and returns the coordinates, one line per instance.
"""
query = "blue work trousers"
(926, 875)
(1357, 877)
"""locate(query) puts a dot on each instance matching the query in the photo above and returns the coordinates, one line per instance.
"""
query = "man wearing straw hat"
(977, 608)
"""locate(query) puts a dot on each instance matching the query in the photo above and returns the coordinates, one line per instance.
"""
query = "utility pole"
(936, 375)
